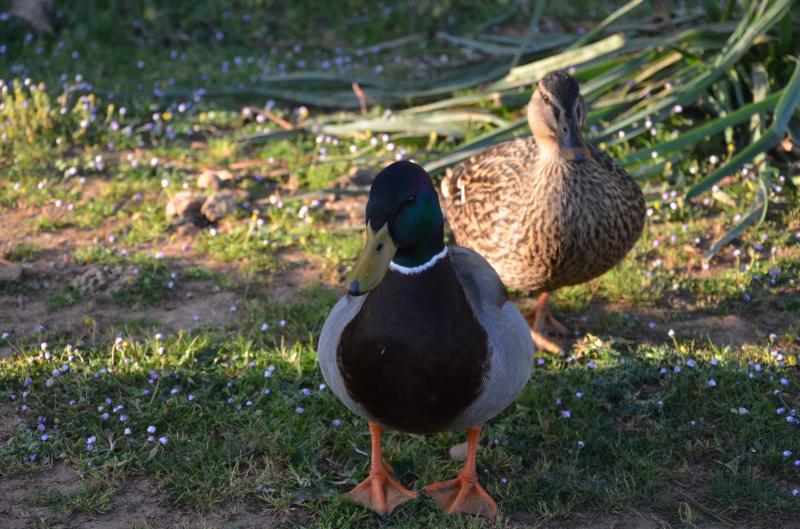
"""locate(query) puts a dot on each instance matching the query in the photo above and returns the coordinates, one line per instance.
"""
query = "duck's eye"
(407, 202)
(545, 99)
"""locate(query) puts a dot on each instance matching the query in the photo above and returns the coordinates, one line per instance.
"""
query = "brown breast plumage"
(543, 224)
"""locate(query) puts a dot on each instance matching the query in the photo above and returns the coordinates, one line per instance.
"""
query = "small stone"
(459, 452)
(185, 208)
(218, 206)
(209, 180)
(361, 176)
(9, 271)
(101, 280)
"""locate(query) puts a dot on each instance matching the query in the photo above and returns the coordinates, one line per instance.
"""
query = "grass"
(628, 421)
(617, 424)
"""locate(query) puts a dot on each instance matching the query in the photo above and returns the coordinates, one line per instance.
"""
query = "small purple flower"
(31, 458)
(151, 429)
(787, 453)
(784, 382)
(163, 439)
(591, 364)
(306, 392)
(45, 437)
(566, 414)
(712, 383)
(265, 392)
(581, 444)
(91, 440)
(90, 448)
(299, 409)
(127, 431)
(123, 418)
(336, 422)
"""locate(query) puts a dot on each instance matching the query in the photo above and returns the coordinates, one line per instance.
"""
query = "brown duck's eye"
(545, 99)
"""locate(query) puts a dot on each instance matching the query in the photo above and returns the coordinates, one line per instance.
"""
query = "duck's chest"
(578, 217)
(415, 357)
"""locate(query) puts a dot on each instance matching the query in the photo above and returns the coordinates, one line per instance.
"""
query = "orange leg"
(464, 494)
(380, 492)
(544, 325)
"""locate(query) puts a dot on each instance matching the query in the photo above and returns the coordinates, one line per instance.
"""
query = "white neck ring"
(412, 270)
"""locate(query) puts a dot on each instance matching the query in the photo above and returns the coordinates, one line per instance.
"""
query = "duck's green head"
(404, 225)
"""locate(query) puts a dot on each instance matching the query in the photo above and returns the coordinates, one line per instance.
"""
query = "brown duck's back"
(543, 225)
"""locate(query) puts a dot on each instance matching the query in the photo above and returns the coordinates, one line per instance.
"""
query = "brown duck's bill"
(373, 262)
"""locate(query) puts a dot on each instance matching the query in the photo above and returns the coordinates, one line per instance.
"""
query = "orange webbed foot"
(380, 491)
(546, 330)
(463, 494)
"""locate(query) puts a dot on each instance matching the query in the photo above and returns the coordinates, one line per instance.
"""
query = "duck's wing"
(480, 195)
(483, 287)
(340, 316)
(510, 340)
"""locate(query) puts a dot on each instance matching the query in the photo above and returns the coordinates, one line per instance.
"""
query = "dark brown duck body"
(415, 357)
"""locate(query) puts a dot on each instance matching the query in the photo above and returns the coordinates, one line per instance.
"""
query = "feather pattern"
(543, 222)
(509, 346)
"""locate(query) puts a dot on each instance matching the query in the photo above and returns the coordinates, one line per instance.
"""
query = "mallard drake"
(425, 340)
(546, 211)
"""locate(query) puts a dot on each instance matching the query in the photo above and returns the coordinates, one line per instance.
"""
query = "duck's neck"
(417, 269)
(422, 253)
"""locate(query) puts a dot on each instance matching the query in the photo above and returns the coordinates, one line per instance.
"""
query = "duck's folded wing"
(509, 336)
(327, 349)
(483, 287)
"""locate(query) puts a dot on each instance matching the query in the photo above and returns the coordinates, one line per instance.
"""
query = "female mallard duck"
(425, 341)
(547, 211)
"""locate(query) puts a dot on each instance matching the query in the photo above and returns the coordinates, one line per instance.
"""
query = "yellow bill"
(373, 262)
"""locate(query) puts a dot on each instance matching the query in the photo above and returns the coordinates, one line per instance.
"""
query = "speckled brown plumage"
(543, 223)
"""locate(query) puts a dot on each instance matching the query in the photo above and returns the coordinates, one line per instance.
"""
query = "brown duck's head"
(556, 114)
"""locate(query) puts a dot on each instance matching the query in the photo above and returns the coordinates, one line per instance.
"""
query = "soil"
(136, 502)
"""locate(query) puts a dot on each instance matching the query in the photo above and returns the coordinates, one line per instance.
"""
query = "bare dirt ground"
(136, 502)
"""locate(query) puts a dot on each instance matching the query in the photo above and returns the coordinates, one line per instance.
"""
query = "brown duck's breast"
(415, 357)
